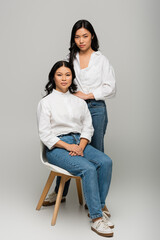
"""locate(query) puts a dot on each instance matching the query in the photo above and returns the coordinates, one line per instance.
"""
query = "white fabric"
(105, 216)
(62, 113)
(101, 227)
(98, 78)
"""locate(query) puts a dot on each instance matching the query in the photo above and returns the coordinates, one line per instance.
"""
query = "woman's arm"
(84, 96)
(87, 127)
(83, 143)
(108, 87)
(44, 126)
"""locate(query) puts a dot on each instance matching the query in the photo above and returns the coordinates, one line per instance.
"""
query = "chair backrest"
(43, 153)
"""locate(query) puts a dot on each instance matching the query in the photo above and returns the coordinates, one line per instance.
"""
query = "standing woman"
(95, 81)
(94, 77)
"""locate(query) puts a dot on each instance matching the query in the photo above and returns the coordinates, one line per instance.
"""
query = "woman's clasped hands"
(75, 150)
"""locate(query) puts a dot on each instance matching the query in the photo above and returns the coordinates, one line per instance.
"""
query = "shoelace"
(102, 221)
(106, 216)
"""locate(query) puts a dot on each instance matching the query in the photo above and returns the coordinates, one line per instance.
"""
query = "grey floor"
(134, 213)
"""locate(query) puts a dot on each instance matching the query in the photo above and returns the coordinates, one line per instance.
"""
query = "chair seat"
(57, 169)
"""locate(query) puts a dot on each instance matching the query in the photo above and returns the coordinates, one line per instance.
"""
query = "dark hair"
(73, 47)
(51, 83)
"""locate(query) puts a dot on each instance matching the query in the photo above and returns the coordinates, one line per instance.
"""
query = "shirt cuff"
(87, 136)
(98, 95)
(50, 144)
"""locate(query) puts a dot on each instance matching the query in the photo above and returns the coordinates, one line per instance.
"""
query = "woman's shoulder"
(102, 59)
(46, 99)
(100, 55)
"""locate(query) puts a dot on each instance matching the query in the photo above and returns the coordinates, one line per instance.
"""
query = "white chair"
(65, 176)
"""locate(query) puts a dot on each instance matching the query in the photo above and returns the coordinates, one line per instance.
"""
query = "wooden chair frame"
(64, 179)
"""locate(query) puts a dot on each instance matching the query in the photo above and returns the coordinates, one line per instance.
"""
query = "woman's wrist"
(89, 96)
(83, 143)
(62, 144)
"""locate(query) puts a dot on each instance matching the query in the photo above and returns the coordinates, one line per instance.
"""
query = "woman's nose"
(63, 78)
(81, 40)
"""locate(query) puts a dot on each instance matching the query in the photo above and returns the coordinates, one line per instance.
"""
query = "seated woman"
(65, 127)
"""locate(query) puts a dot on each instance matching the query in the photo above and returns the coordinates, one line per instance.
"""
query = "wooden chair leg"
(59, 197)
(46, 189)
(79, 190)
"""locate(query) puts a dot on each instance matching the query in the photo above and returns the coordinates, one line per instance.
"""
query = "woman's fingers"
(76, 154)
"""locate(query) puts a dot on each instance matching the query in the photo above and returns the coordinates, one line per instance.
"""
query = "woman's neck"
(87, 52)
(84, 58)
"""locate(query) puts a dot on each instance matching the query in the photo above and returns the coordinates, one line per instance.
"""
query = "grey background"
(35, 34)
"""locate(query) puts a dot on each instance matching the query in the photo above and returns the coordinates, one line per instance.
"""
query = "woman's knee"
(90, 170)
(106, 161)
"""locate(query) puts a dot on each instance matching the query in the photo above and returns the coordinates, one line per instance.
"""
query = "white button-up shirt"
(98, 78)
(62, 113)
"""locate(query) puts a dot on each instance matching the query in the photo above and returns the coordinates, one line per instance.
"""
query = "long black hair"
(51, 83)
(73, 47)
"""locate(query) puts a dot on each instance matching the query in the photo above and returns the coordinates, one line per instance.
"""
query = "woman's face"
(63, 79)
(83, 39)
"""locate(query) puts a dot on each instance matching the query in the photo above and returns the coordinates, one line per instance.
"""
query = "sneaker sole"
(47, 203)
(102, 234)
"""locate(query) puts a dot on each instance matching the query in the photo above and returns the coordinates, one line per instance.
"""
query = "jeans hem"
(96, 216)
(102, 206)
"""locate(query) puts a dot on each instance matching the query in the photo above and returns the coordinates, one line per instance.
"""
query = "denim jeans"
(99, 116)
(95, 169)
(99, 120)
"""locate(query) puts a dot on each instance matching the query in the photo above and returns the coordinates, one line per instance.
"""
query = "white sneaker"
(106, 218)
(101, 228)
(51, 199)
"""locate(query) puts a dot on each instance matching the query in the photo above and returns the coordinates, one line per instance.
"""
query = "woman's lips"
(63, 84)
(82, 46)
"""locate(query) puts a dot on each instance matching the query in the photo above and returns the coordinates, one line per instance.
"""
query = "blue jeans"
(99, 120)
(99, 116)
(95, 169)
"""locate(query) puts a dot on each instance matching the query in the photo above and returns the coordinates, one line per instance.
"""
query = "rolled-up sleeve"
(87, 127)
(108, 86)
(44, 126)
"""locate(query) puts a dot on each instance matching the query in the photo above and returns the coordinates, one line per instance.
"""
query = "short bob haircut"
(73, 47)
(51, 83)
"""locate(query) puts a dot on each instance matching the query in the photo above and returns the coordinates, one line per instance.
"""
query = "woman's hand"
(74, 150)
(83, 95)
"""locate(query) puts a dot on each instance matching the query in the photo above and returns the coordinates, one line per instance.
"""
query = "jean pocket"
(98, 104)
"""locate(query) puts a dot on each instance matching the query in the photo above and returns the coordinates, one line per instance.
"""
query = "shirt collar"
(60, 93)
